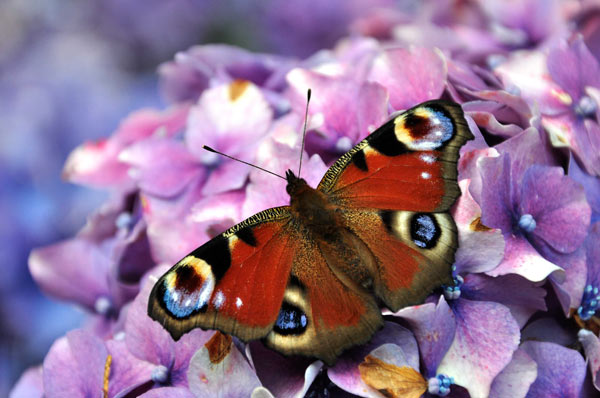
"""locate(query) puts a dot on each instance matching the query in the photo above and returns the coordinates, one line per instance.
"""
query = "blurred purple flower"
(201, 67)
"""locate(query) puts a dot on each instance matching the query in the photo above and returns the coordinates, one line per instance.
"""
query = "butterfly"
(309, 278)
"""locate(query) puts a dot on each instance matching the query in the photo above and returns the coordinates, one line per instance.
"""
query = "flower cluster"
(521, 316)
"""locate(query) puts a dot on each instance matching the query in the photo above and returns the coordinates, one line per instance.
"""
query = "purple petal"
(591, 346)
(549, 330)
(126, 371)
(192, 71)
(573, 67)
(570, 290)
(561, 371)
(74, 366)
(171, 392)
(590, 184)
(515, 378)
(489, 122)
(284, 377)
(497, 197)
(411, 75)
(345, 373)
(522, 259)
(588, 143)
(29, 385)
(161, 166)
(55, 267)
(231, 377)
(480, 248)
(527, 149)
(510, 290)
(148, 340)
(486, 337)
(558, 206)
(593, 255)
(434, 328)
(462, 73)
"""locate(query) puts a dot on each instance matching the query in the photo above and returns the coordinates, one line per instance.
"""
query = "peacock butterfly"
(309, 278)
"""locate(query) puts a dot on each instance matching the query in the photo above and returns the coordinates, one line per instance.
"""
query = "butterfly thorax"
(310, 206)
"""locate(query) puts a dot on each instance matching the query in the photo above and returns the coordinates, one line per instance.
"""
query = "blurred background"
(70, 70)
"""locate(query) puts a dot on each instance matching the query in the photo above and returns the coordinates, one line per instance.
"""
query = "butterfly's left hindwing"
(223, 284)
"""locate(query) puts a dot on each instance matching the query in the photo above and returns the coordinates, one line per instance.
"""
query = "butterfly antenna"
(209, 149)
(304, 131)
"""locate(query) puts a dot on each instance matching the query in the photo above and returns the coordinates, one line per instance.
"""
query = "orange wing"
(234, 283)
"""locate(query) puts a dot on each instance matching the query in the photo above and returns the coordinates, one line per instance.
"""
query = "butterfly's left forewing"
(234, 283)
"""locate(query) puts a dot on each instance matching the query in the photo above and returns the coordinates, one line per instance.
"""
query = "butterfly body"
(309, 278)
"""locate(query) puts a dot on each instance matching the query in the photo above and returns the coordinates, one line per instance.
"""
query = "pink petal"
(354, 115)
(232, 377)
(230, 118)
(95, 164)
(161, 166)
(522, 259)
(411, 75)
(527, 71)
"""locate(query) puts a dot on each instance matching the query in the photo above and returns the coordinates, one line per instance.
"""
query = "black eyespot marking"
(290, 321)
(385, 141)
(359, 160)
(418, 126)
(247, 236)
(424, 230)
(216, 254)
(295, 282)
(188, 280)
(386, 217)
